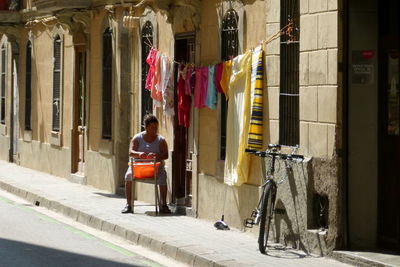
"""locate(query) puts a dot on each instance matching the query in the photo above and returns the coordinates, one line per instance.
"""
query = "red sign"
(368, 54)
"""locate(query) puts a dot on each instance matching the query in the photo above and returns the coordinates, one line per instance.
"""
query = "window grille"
(107, 84)
(229, 49)
(28, 88)
(147, 39)
(3, 84)
(289, 122)
(56, 84)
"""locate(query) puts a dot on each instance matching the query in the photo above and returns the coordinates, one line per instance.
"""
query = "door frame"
(80, 49)
(191, 145)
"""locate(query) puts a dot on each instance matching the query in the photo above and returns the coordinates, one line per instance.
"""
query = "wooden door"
(183, 139)
(79, 122)
(389, 127)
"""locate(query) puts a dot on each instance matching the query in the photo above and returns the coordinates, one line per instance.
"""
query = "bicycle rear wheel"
(266, 214)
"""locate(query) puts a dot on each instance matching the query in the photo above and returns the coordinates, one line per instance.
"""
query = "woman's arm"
(163, 154)
(163, 151)
(133, 150)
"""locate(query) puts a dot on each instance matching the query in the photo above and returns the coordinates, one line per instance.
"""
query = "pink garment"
(189, 80)
(200, 89)
(156, 93)
(184, 100)
(151, 60)
(218, 74)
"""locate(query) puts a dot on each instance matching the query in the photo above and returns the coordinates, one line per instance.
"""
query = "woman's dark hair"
(149, 118)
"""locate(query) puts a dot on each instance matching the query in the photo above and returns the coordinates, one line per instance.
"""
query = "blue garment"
(211, 100)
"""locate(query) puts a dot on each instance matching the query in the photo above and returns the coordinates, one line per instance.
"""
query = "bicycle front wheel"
(266, 214)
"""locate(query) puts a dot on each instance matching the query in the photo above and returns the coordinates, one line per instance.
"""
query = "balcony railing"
(10, 5)
(52, 5)
(9, 12)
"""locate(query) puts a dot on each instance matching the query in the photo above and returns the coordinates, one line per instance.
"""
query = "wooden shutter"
(229, 50)
(3, 85)
(57, 84)
(28, 86)
(107, 85)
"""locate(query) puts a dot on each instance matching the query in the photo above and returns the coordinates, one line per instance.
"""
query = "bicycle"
(265, 209)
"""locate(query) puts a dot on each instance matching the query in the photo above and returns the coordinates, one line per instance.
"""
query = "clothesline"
(286, 30)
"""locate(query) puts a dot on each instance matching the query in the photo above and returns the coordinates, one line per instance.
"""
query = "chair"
(145, 171)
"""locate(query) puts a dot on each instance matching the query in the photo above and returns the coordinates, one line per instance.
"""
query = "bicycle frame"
(264, 212)
(257, 210)
(269, 178)
(274, 154)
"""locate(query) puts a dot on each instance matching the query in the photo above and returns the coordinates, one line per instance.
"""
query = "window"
(229, 50)
(107, 85)
(3, 84)
(147, 39)
(289, 123)
(28, 86)
(56, 84)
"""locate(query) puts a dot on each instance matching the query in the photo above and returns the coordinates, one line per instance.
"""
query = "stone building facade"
(97, 50)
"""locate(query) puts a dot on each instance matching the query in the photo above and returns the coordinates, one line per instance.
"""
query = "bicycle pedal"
(280, 211)
(248, 223)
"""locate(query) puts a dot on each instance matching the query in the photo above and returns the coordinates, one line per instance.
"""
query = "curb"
(356, 260)
(188, 254)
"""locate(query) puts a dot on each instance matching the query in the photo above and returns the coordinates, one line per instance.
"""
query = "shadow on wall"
(289, 221)
(295, 209)
(304, 208)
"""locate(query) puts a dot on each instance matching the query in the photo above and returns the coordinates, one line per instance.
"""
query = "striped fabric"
(255, 137)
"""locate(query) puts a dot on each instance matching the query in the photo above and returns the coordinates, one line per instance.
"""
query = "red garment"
(218, 74)
(184, 100)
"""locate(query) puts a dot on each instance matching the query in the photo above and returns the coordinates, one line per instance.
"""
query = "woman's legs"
(163, 195)
(128, 192)
(128, 195)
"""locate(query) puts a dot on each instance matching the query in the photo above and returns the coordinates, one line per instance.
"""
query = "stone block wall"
(320, 124)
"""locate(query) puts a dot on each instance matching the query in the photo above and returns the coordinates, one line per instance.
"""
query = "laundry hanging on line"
(199, 85)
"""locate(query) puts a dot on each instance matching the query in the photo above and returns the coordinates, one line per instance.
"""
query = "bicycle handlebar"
(274, 154)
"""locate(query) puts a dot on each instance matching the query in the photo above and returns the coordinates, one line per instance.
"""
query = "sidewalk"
(185, 239)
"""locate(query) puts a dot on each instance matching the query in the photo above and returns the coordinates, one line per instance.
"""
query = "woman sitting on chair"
(148, 145)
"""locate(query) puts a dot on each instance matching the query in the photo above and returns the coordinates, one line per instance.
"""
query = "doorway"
(182, 156)
(79, 111)
(373, 125)
(389, 126)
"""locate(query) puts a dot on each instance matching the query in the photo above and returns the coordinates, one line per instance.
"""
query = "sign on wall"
(362, 68)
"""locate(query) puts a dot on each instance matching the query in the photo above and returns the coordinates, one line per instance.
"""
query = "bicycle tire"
(266, 213)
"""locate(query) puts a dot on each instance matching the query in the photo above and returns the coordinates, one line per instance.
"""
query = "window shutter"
(107, 85)
(28, 86)
(57, 84)
(229, 49)
(3, 85)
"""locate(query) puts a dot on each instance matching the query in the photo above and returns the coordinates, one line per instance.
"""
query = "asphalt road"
(32, 236)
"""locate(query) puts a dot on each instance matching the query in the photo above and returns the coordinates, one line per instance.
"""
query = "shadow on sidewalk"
(282, 252)
(109, 195)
